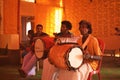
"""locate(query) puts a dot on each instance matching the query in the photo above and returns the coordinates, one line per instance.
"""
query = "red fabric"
(49, 42)
(101, 44)
(28, 49)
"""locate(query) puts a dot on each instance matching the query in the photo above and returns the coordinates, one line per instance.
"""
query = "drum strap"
(85, 43)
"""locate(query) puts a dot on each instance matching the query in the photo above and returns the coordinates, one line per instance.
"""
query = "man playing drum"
(91, 55)
(30, 59)
(48, 68)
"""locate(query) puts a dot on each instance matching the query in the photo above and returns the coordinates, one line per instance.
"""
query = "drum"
(66, 56)
(42, 46)
(62, 40)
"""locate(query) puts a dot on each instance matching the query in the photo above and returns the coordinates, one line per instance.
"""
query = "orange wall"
(12, 40)
(103, 14)
(10, 16)
(9, 28)
(27, 9)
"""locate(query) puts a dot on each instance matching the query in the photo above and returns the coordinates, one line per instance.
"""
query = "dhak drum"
(66, 56)
(42, 46)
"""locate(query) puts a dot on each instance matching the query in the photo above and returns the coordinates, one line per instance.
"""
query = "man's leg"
(30, 64)
(26, 59)
(84, 70)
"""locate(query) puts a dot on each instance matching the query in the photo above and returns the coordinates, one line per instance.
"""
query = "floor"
(109, 71)
(10, 72)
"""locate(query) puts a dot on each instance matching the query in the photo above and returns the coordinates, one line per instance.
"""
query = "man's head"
(39, 28)
(66, 25)
(85, 27)
(30, 33)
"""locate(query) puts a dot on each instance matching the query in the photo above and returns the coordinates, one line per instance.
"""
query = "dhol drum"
(66, 56)
(42, 46)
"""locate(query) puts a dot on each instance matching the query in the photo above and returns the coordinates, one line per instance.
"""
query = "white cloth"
(32, 72)
(48, 70)
(81, 74)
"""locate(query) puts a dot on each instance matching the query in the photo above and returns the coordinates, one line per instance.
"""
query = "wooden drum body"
(42, 46)
(66, 56)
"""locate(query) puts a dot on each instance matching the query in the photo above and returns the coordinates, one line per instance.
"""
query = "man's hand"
(86, 55)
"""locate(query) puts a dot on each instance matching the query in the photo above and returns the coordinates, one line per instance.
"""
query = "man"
(39, 31)
(30, 59)
(49, 69)
(65, 30)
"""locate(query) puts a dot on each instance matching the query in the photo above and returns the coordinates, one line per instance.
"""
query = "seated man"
(30, 59)
(27, 45)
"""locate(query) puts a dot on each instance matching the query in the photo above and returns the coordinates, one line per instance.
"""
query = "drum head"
(75, 57)
(39, 48)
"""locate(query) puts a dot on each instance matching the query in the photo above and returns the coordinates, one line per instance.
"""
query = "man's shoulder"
(44, 34)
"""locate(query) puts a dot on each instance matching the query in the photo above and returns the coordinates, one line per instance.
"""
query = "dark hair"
(31, 32)
(68, 24)
(39, 25)
(88, 25)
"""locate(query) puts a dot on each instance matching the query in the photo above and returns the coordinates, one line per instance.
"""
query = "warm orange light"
(54, 20)
(61, 3)
(29, 0)
(58, 18)
(42, 1)
(117, 53)
(53, 15)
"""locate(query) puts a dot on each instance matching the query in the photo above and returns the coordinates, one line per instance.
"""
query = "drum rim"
(69, 67)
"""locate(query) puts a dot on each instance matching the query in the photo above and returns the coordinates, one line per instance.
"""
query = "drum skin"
(59, 56)
(42, 46)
